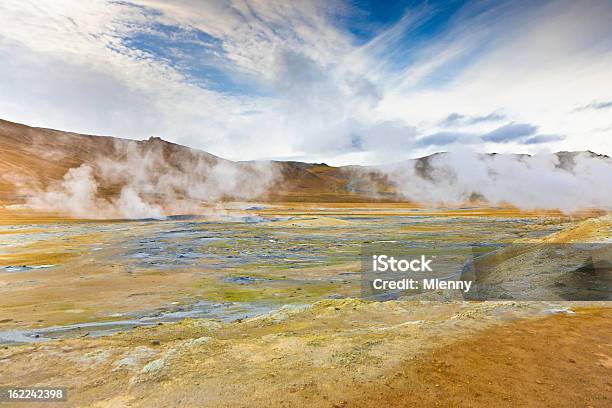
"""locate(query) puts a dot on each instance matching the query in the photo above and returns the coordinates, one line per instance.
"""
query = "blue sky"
(345, 82)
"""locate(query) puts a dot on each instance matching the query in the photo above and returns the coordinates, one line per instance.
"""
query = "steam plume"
(152, 179)
(567, 181)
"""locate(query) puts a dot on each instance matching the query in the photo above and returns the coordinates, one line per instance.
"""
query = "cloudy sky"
(344, 82)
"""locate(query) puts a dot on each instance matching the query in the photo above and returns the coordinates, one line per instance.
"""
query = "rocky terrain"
(339, 353)
(144, 273)
(342, 353)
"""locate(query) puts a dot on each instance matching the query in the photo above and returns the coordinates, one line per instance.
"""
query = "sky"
(340, 82)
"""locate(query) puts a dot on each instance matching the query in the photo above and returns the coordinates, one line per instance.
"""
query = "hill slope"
(63, 171)
(44, 156)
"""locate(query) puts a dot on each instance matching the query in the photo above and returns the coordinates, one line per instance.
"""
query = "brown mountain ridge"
(35, 159)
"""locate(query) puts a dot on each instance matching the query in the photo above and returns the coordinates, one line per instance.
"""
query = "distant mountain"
(37, 156)
(46, 167)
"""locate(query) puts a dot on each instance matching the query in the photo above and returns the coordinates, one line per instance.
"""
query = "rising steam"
(567, 181)
(154, 178)
(149, 180)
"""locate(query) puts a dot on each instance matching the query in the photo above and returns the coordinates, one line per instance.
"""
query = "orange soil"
(558, 361)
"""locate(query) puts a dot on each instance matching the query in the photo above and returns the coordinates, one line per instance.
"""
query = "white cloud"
(66, 64)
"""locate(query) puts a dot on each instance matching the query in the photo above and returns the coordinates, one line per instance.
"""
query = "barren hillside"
(46, 168)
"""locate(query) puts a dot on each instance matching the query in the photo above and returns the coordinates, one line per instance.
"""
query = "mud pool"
(94, 278)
